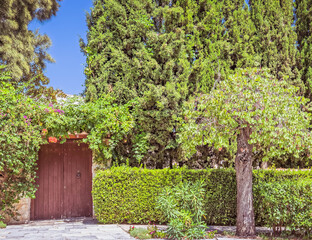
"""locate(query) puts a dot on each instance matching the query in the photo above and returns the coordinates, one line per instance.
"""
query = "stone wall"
(23, 210)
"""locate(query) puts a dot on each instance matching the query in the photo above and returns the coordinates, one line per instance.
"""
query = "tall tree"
(276, 38)
(161, 52)
(22, 50)
(304, 33)
(250, 111)
(241, 34)
(157, 52)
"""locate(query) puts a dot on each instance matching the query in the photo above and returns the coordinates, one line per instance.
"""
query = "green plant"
(139, 233)
(106, 124)
(287, 205)
(183, 206)
(128, 195)
(22, 121)
(155, 232)
(249, 112)
(210, 234)
(161, 234)
(2, 224)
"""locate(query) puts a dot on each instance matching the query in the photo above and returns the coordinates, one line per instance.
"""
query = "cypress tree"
(162, 52)
(276, 38)
(241, 34)
(211, 47)
(304, 33)
(157, 52)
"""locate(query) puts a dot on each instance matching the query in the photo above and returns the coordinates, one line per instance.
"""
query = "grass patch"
(140, 233)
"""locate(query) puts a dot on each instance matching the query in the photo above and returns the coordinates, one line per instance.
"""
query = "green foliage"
(106, 123)
(129, 195)
(155, 232)
(140, 233)
(2, 225)
(276, 39)
(152, 231)
(161, 53)
(249, 99)
(303, 30)
(21, 124)
(287, 204)
(22, 50)
(183, 206)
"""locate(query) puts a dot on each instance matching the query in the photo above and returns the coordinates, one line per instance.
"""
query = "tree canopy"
(249, 99)
(250, 111)
(23, 51)
(163, 52)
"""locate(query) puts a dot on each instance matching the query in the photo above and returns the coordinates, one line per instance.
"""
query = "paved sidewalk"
(81, 229)
(62, 230)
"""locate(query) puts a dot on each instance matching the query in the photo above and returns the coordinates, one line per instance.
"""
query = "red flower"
(52, 139)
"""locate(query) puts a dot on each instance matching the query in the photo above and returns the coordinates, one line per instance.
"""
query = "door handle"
(78, 174)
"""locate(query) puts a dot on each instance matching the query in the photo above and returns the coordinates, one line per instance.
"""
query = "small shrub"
(155, 232)
(2, 224)
(287, 204)
(183, 206)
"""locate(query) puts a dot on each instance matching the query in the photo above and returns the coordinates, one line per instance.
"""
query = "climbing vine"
(26, 124)
(21, 125)
(106, 123)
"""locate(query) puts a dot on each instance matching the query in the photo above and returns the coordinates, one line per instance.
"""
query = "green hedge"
(287, 204)
(128, 195)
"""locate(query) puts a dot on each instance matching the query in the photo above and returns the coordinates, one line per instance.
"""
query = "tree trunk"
(245, 222)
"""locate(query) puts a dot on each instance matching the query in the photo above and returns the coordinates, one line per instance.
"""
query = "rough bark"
(245, 222)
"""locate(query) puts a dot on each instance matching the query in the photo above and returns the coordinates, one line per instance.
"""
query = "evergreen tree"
(161, 52)
(241, 34)
(276, 38)
(22, 50)
(157, 52)
(304, 33)
(211, 47)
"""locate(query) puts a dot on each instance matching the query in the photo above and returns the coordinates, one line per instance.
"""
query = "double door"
(64, 177)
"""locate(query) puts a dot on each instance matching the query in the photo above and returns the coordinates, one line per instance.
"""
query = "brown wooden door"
(65, 182)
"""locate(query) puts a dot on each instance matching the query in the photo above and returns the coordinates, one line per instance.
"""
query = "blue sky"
(65, 30)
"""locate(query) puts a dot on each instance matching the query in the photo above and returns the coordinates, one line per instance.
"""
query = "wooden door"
(65, 182)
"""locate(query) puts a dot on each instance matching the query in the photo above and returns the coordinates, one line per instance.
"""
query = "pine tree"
(276, 38)
(304, 33)
(22, 50)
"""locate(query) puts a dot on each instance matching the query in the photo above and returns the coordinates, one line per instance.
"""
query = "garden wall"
(128, 195)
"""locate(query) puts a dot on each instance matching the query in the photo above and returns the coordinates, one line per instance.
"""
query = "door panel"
(65, 182)
(76, 200)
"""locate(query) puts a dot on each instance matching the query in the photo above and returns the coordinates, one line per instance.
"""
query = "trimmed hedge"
(288, 204)
(128, 195)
